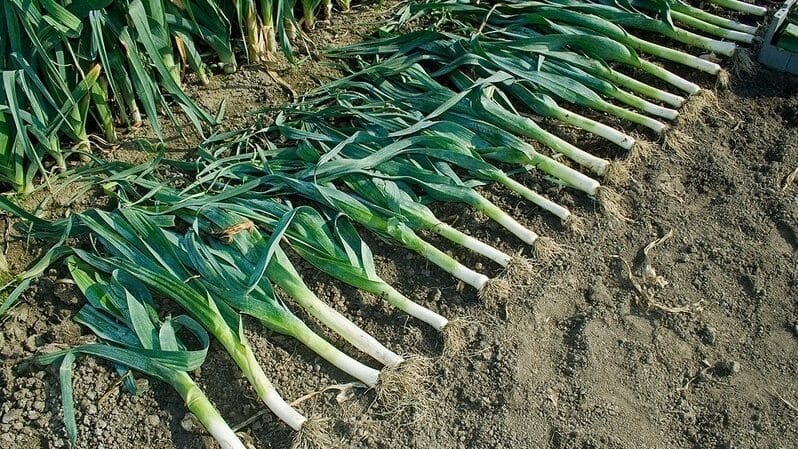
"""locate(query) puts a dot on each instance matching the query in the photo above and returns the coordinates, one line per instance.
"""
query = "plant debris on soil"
(591, 351)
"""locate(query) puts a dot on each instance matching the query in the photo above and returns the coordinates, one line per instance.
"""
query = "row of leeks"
(430, 114)
(544, 58)
(221, 267)
(435, 116)
(383, 186)
(75, 68)
(619, 21)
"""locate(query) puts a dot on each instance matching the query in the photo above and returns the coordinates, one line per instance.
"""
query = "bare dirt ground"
(577, 358)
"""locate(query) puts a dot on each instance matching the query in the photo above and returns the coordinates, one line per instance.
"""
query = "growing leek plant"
(70, 69)
(270, 26)
(123, 315)
(73, 69)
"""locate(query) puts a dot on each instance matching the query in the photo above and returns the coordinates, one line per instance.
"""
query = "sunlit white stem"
(741, 6)
(359, 371)
(290, 281)
(470, 277)
(572, 118)
(503, 218)
(471, 243)
(535, 197)
(199, 405)
(414, 309)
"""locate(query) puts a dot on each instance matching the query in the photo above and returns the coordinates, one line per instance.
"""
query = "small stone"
(187, 423)
(598, 293)
(709, 335)
(30, 343)
(153, 420)
(727, 368)
(11, 416)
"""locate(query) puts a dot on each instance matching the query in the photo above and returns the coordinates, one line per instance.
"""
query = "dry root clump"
(519, 269)
(678, 142)
(575, 224)
(495, 292)
(742, 63)
(314, 434)
(455, 339)
(723, 79)
(404, 386)
(694, 107)
(545, 250)
(642, 150)
(617, 172)
(611, 203)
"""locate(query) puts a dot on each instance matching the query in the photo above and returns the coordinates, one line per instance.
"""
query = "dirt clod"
(726, 368)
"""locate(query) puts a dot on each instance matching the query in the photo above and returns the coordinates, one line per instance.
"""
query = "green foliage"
(122, 314)
(72, 68)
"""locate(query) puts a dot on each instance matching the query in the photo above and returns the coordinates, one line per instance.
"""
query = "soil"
(699, 353)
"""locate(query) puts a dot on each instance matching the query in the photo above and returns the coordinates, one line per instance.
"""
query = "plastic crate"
(775, 57)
